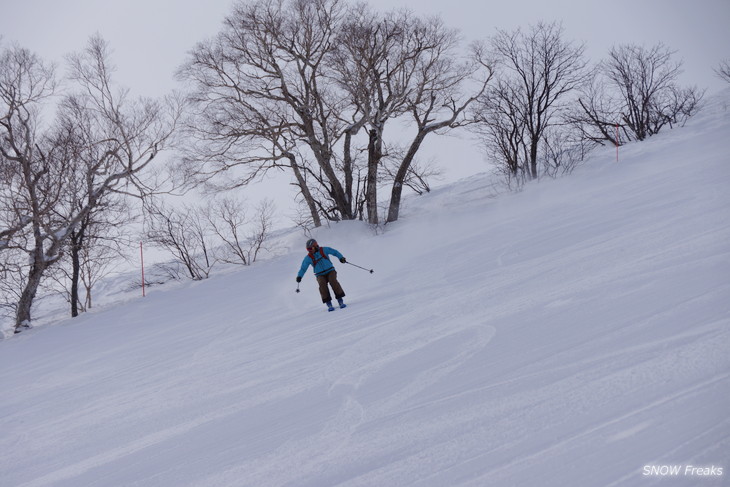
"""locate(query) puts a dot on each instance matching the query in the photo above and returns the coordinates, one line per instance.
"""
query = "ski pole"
(297, 287)
(369, 270)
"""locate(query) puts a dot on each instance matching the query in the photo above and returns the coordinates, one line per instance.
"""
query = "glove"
(343, 260)
(299, 278)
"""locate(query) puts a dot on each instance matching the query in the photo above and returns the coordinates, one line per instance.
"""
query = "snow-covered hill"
(573, 334)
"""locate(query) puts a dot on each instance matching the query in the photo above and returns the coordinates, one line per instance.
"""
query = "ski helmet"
(311, 243)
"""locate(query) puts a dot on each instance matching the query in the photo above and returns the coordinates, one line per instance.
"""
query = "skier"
(325, 272)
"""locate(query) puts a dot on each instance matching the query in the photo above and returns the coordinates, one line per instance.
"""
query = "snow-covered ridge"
(574, 333)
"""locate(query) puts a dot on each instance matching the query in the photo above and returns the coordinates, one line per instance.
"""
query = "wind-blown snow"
(567, 335)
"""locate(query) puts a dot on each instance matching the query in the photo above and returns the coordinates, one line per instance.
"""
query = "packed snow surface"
(576, 333)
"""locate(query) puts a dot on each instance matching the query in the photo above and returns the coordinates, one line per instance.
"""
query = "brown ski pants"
(329, 279)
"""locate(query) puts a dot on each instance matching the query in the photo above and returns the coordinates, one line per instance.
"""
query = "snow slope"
(568, 335)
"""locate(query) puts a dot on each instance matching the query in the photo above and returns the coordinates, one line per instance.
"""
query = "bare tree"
(12, 281)
(92, 250)
(101, 142)
(446, 85)
(646, 79)
(419, 173)
(262, 91)
(723, 70)
(294, 84)
(26, 82)
(563, 150)
(183, 233)
(398, 65)
(539, 70)
(503, 133)
(32, 167)
(260, 231)
(375, 63)
(243, 237)
(636, 91)
(597, 113)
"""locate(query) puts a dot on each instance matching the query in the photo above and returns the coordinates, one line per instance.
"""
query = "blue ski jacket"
(321, 265)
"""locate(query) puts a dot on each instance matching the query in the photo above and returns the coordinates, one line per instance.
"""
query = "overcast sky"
(150, 38)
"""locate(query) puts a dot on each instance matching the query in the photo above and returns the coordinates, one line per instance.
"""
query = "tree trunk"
(87, 287)
(347, 167)
(323, 157)
(308, 198)
(375, 154)
(23, 313)
(400, 176)
(533, 158)
(77, 239)
(75, 272)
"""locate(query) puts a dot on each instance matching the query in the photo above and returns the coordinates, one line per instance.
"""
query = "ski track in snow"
(569, 334)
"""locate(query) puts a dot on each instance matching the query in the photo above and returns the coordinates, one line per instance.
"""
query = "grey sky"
(698, 29)
(149, 38)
